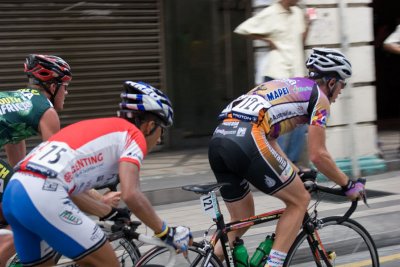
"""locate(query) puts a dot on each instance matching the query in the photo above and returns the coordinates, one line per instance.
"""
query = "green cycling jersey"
(20, 113)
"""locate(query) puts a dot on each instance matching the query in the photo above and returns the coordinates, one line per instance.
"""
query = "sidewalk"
(164, 173)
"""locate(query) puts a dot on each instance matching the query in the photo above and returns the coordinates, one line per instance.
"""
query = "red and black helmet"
(46, 68)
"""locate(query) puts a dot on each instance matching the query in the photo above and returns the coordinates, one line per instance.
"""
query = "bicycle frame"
(210, 205)
(310, 225)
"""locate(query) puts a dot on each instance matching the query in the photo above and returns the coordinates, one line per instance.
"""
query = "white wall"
(357, 104)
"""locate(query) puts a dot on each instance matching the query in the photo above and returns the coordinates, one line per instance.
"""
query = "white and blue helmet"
(140, 96)
(326, 61)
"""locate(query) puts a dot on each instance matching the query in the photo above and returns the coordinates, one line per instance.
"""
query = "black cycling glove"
(307, 174)
(116, 214)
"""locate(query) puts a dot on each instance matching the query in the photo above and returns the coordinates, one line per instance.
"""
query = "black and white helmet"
(326, 60)
(140, 96)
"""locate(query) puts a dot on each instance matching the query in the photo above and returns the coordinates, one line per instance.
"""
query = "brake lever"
(364, 198)
(364, 193)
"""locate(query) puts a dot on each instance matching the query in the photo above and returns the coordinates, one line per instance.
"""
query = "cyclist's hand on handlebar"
(355, 190)
(112, 198)
(179, 237)
(117, 214)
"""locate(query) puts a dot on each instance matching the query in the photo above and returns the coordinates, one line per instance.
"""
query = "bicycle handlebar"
(130, 232)
(312, 186)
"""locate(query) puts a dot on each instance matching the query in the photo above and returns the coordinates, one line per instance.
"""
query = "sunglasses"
(65, 86)
(343, 82)
(163, 129)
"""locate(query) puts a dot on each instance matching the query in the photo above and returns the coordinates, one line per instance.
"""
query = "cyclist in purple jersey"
(244, 149)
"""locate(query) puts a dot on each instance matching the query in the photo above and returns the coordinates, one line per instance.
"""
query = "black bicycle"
(330, 241)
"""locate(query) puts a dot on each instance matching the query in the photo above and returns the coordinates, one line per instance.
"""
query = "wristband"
(164, 231)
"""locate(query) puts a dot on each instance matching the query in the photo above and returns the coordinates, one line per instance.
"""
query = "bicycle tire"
(127, 253)
(196, 255)
(349, 240)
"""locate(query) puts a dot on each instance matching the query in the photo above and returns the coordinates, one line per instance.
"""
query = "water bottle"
(15, 263)
(240, 255)
(262, 251)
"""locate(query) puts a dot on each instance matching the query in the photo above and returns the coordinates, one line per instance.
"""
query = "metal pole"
(348, 94)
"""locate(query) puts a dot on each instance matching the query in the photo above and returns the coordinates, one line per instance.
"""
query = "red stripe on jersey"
(80, 133)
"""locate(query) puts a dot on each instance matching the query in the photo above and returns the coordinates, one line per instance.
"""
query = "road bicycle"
(125, 240)
(330, 241)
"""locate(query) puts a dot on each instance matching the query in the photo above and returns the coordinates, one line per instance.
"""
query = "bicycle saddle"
(204, 188)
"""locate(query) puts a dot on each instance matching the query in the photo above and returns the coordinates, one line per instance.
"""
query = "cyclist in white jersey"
(85, 155)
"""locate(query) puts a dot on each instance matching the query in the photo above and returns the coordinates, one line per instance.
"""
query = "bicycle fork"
(318, 250)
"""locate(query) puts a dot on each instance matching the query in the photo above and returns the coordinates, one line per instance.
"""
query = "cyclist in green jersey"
(33, 111)
(28, 112)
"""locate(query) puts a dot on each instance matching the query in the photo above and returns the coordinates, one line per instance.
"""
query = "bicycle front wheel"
(196, 256)
(127, 253)
(345, 243)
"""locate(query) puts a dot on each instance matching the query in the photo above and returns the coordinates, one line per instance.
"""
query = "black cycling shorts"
(239, 154)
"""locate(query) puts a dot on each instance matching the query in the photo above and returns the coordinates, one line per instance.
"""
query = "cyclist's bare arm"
(90, 205)
(15, 152)
(111, 198)
(135, 199)
(320, 156)
(49, 124)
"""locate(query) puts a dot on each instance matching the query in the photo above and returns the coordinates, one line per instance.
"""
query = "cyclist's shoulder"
(22, 95)
(285, 86)
(114, 128)
(113, 124)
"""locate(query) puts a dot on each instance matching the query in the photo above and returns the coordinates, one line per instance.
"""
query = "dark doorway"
(386, 18)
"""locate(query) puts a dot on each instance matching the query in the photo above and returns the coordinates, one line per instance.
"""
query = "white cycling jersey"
(85, 155)
(80, 157)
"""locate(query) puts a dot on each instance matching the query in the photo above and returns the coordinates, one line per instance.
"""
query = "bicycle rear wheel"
(196, 256)
(347, 242)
